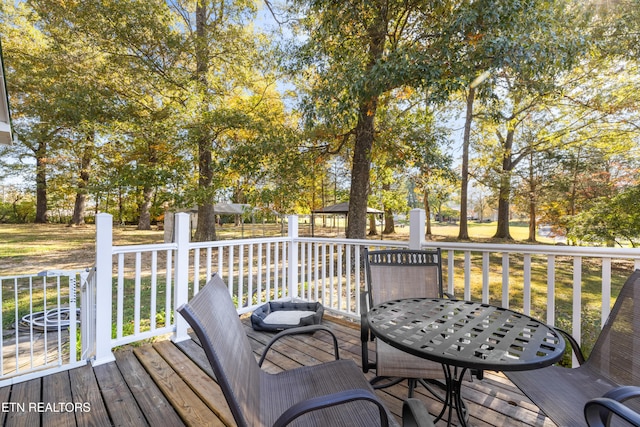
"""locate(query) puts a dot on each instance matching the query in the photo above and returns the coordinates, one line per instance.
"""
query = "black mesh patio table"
(465, 335)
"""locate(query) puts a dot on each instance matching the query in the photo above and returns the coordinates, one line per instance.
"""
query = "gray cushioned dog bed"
(277, 316)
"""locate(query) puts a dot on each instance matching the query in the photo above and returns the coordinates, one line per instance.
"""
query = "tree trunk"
(504, 192)
(365, 128)
(144, 222)
(463, 233)
(427, 211)
(373, 229)
(532, 200)
(389, 224)
(357, 216)
(79, 208)
(532, 221)
(41, 184)
(502, 231)
(205, 230)
(83, 182)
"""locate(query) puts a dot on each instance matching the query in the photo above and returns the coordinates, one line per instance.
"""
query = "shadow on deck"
(167, 384)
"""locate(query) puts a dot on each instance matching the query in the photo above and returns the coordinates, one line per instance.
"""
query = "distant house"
(5, 117)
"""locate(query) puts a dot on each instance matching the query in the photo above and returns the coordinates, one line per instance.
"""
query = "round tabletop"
(466, 334)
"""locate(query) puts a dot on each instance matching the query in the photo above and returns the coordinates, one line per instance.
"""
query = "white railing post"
(416, 228)
(181, 287)
(293, 256)
(104, 291)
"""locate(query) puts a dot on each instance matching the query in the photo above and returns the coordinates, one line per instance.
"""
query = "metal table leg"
(453, 399)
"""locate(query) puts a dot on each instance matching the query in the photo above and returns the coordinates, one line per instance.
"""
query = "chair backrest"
(395, 274)
(615, 353)
(213, 317)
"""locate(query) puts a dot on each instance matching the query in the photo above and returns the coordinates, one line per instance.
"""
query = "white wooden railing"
(147, 282)
(134, 291)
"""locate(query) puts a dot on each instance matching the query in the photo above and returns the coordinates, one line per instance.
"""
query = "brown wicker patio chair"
(329, 394)
(561, 393)
(396, 274)
(602, 411)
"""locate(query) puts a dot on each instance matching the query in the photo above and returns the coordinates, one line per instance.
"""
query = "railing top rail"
(367, 242)
(144, 248)
(605, 252)
(589, 251)
(46, 273)
(238, 242)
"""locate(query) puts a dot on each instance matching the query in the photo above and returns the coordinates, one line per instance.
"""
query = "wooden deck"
(167, 384)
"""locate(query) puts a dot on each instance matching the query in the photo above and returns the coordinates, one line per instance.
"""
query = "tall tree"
(35, 87)
(223, 49)
(73, 77)
(206, 214)
(152, 59)
(355, 52)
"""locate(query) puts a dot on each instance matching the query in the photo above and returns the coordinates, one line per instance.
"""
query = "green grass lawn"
(22, 241)
(30, 248)
(485, 231)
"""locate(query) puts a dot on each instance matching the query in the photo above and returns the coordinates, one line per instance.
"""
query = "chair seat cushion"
(280, 391)
(397, 363)
(560, 392)
(277, 316)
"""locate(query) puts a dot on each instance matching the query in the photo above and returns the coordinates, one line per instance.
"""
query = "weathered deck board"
(57, 388)
(5, 392)
(185, 401)
(198, 380)
(22, 395)
(84, 389)
(122, 407)
(171, 385)
(153, 404)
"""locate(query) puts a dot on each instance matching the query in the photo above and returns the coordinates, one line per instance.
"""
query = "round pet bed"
(277, 316)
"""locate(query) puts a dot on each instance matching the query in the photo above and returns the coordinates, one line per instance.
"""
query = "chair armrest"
(364, 302)
(333, 399)
(597, 411)
(415, 414)
(298, 331)
(574, 345)
(365, 332)
(365, 336)
(623, 393)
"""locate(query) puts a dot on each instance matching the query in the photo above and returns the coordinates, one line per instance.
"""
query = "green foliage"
(127, 74)
(610, 221)
(19, 208)
(138, 106)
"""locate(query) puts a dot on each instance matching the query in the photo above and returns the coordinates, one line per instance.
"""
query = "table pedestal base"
(453, 398)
